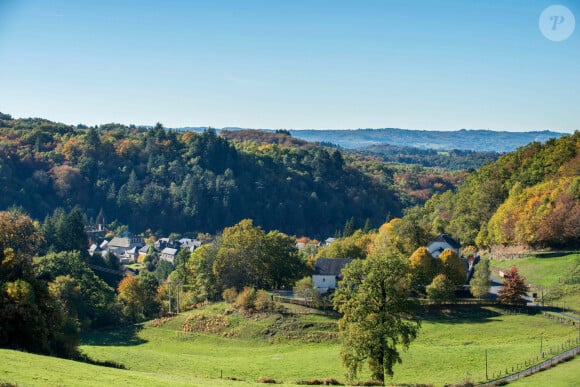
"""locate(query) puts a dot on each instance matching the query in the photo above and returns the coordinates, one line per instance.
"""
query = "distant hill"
(474, 140)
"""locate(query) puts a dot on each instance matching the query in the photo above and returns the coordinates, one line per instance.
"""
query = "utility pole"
(170, 283)
(177, 286)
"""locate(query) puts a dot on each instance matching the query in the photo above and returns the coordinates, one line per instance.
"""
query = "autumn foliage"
(513, 289)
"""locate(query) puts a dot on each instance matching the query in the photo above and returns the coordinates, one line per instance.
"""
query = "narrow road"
(537, 368)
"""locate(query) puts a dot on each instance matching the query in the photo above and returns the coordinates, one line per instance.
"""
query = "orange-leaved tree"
(513, 289)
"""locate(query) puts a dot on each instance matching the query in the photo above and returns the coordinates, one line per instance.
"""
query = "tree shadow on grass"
(121, 336)
(460, 314)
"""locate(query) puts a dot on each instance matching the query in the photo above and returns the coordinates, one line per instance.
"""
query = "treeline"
(528, 197)
(168, 181)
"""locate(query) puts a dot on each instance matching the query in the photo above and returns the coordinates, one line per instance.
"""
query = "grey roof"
(447, 239)
(120, 242)
(144, 249)
(330, 266)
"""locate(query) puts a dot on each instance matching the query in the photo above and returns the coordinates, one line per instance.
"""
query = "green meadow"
(558, 277)
(564, 375)
(451, 347)
(291, 348)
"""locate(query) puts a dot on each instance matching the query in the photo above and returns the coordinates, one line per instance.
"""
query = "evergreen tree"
(349, 228)
(480, 283)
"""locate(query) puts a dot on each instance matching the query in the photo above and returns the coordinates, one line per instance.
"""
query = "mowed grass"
(564, 375)
(557, 277)
(544, 272)
(25, 369)
(449, 349)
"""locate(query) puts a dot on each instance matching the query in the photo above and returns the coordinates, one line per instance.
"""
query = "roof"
(330, 266)
(120, 242)
(144, 249)
(169, 250)
(446, 239)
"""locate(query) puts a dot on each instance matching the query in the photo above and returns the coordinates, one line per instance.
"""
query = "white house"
(327, 273)
(442, 242)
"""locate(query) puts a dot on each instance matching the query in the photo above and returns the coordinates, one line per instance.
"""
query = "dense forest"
(168, 181)
(529, 197)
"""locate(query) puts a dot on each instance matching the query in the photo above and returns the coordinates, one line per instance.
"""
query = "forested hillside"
(528, 197)
(169, 181)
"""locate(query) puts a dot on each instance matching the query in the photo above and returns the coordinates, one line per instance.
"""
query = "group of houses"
(132, 248)
(328, 271)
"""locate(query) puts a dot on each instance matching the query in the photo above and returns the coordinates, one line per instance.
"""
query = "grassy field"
(557, 276)
(564, 375)
(544, 272)
(25, 369)
(449, 349)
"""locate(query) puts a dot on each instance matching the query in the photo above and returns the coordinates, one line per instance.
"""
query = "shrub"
(441, 289)
(320, 382)
(263, 302)
(230, 295)
(266, 380)
(246, 299)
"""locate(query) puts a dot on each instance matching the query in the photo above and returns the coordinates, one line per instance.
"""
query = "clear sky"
(440, 64)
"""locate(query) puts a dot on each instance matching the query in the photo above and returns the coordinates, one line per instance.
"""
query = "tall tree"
(200, 272)
(423, 268)
(239, 261)
(480, 283)
(453, 267)
(513, 289)
(31, 318)
(377, 314)
(132, 298)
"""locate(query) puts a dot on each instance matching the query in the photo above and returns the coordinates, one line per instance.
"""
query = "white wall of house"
(324, 282)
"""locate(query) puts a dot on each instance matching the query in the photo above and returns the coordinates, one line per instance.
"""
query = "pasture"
(558, 277)
(451, 347)
(291, 348)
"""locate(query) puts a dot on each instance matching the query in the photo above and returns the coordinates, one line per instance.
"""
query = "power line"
(107, 270)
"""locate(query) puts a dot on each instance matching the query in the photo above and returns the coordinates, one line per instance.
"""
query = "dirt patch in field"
(292, 328)
(209, 324)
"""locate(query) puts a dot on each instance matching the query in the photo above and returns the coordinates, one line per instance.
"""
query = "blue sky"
(437, 64)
